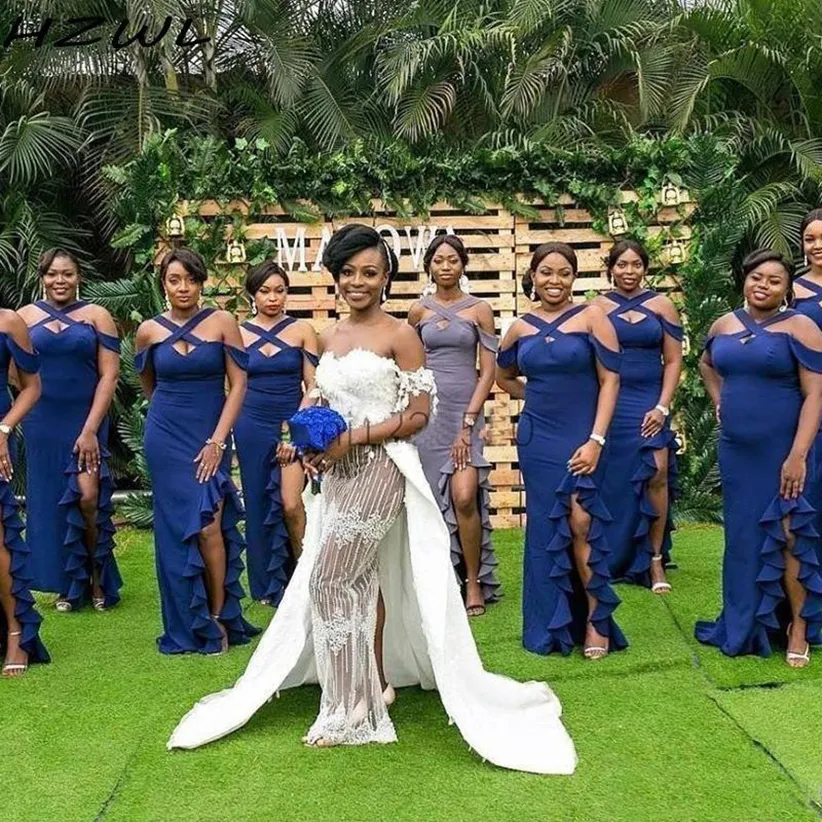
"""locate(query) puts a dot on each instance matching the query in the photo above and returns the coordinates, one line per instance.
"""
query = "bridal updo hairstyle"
(350, 240)
(539, 255)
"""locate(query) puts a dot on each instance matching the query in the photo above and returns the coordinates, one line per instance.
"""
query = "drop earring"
(167, 301)
(383, 295)
(253, 308)
(429, 288)
(465, 286)
(533, 294)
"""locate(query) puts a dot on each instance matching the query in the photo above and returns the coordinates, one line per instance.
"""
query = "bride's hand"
(335, 452)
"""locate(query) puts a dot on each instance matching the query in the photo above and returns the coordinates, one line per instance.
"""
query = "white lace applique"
(335, 631)
(349, 525)
(414, 383)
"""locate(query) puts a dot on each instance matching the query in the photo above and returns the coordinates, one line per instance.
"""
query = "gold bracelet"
(220, 445)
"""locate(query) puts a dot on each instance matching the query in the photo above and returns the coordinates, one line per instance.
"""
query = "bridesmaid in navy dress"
(762, 367)
(68, 482)
(808, 300)
(569, 356)
(19, 621)
(282, 354)
(457, 330)
(640, 478)
(183, 359)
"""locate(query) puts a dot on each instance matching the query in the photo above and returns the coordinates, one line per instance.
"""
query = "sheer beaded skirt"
(363, 495)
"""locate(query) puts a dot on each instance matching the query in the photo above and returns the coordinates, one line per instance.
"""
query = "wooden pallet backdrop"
(500, 245)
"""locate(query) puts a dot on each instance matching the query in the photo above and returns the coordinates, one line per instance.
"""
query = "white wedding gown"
(376, 526)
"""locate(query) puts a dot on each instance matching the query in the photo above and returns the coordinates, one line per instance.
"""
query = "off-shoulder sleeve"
(239, 356)
(671, 329)
(486, 340)
(508, 356)
(312, 358)
(707, 350)
(141, 359)
(108, 341)
(28, 361)
(610, 359)
(807, 357)
(414, 383)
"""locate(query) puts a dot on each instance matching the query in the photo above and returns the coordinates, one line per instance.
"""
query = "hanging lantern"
(235, 252)
(617, 224)
(670, 194)
(175, 227)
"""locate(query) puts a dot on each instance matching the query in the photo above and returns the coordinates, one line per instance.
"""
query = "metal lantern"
(175, 227)
(670, 194)
(617, 224)
(235, 252)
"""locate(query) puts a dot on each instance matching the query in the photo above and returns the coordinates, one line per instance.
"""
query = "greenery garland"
(173, 168)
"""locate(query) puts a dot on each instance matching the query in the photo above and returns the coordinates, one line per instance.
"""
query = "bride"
(376, 528)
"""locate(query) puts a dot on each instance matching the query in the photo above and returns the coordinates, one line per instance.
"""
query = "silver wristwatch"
(664, 410)
(5, 429)
(598, 438)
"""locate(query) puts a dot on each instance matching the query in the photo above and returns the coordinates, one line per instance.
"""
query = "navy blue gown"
(631, 456)
(186, 404)
(812, 307)
(20, 566)
(274, 393)
(759, 408)
(561, 396)
(55, 529)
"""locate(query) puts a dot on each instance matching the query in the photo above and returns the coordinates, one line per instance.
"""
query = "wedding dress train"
(376, 527)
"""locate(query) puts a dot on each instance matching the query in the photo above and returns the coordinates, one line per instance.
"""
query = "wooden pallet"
(500, 246)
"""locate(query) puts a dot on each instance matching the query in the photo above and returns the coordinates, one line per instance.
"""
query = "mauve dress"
(451, 343)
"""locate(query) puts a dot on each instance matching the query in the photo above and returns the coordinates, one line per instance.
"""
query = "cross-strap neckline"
(811, 286)
(449, 312)
(636, 303)
(61, 315)
(752, 327)
(549, 328)
(271, 335)
(183, 332)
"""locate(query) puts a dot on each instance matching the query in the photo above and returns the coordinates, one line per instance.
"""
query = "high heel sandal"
(595, 651)
(792, 655)
(474, 610)
(660, 587)
(17, 668)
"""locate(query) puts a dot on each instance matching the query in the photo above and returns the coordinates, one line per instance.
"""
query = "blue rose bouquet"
(313, 429)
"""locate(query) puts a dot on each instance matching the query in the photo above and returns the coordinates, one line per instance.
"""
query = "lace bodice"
(364, 386)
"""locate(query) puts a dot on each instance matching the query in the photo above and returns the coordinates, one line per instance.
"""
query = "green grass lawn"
(666, 730)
